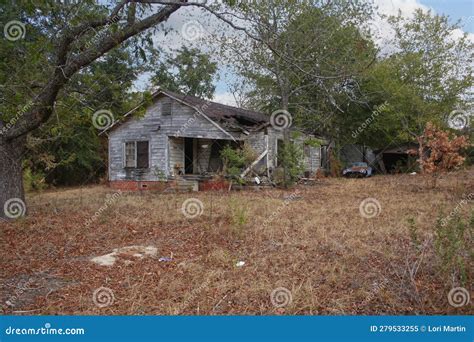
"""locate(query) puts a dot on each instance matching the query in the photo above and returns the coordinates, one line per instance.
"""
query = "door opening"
(188, 155)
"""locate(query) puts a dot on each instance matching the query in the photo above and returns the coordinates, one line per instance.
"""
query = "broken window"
(142, 154)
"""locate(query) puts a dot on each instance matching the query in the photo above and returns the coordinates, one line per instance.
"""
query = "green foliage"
(414, 234)
(33, 181)
(453, 246)
(160, 174)
(313, 142)
(238, 216)
(291, 158)
(190, 72)
(236, 159)
(233, 161)
(428, 77)
(327, 35)
(68, 149)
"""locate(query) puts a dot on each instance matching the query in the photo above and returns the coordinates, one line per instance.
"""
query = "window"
(136, 154)
(130, 154)
(142, 154)
(166, 106)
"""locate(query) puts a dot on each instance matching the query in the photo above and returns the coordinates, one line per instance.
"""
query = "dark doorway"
(188, 155)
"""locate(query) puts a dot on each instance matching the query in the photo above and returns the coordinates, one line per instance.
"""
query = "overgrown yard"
(312, 240)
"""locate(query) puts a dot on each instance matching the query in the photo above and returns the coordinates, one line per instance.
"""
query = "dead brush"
(319, 247)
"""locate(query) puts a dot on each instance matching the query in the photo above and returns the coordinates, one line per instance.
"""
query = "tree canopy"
(190, 72)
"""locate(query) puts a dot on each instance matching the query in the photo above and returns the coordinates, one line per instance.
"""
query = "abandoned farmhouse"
(181, 137)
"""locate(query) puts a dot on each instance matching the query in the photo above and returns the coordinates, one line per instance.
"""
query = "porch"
(196, 158)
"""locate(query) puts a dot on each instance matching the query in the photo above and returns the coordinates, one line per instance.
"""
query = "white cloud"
(407, 7)
(177, 22)
(225, 98)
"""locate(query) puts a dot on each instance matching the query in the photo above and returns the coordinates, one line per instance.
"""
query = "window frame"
(124, 154)
(168, 102)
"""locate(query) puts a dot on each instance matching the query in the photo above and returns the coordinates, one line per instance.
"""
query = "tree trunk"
(286, 136)
(12, 195)
(420, 153)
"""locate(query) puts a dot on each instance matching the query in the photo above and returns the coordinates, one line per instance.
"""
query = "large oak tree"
(45, 45)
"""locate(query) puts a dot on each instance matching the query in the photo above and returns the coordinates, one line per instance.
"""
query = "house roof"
(229, 117)
(219, 111)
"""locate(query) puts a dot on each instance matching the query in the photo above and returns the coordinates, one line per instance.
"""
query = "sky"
(462, 10)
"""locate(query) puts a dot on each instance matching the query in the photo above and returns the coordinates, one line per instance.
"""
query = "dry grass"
(333, 260)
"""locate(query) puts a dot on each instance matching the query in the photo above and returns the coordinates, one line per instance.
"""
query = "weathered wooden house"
(181, 136)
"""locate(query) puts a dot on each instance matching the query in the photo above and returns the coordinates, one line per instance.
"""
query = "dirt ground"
(341, 246)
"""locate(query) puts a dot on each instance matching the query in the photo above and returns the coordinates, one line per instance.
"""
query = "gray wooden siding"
(155, 128)
(176, 154)
(166, 149)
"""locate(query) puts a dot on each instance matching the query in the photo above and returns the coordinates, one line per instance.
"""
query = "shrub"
(236, 159)
(33, 180)
(453, 246)
(290, 156)
(238, 217)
